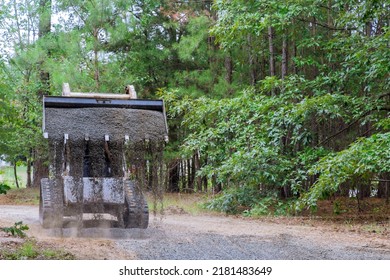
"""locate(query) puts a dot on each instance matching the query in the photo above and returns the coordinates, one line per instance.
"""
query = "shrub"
(4, 188)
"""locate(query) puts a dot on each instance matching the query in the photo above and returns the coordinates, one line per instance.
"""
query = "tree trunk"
(28, 173)
(271, 51)
(190, 180)
(330, 21)
(217, 187)
(383, 186)
(205, 179)
(174, 178)
(183, 174)
(196, 169)
(252, 59)
(229, 69)
(284, 56)
(294, 53)
(39, 168)
(271, 54)
(16, 176)
(368, 28)
(315, 70)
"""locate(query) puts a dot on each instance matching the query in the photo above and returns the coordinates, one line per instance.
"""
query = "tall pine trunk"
(40, 169)
(229, 69)
(271, 51)
(16, 175)
(29, 181)
(284, 55)
(271, 54)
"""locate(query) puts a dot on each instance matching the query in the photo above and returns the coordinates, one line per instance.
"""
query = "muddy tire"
(50, 205)
(136, 211)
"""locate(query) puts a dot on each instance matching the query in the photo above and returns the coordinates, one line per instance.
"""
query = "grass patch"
(379, 228)
(7, 176)
(33, 250)
(23, 196)
(189, 203)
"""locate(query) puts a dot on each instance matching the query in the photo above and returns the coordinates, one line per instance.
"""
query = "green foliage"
(193, 44)
(234, 200)
(4, 188)
(242, 137)
(298, 134)
(18, 229)
(250, 202)
(271, 205)
(337, 207)
(365, 159)
(282, 133)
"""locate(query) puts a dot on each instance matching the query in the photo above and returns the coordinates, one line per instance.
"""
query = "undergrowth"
(18, 229)
(249, 202)
(4, 188)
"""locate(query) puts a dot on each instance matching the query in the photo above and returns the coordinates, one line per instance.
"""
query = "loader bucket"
(86, 117)
(88, 135)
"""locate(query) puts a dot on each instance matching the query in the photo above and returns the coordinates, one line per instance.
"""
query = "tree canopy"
(287, 99)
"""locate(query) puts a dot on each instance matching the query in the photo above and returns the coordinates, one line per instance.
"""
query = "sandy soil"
(178, 235)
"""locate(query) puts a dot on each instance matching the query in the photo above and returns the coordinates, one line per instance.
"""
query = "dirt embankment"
(178, 235)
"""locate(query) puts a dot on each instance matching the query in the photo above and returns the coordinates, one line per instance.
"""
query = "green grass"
(376, 228)
(7, 176)
(190, 203)
(32, 250)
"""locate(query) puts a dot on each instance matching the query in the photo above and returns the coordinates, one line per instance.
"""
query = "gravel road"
(187, 237)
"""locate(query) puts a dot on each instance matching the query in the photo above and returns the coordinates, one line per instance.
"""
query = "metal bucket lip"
(80, 102)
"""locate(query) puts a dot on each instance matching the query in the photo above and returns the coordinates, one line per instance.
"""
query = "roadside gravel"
(210, 237)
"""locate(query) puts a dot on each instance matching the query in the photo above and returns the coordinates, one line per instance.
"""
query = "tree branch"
(344, 129)
(326, 26)
(355, 121)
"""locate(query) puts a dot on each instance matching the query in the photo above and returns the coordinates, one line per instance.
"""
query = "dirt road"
(183, 236)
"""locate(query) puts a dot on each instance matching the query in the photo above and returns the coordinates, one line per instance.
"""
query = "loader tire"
(50, 205)
(136, 211)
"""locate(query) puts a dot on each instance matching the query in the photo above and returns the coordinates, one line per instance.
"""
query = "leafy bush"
(4, 188)
(365, 160)
(234, 200)
(261, 208)
(271, 205)
(250, 202)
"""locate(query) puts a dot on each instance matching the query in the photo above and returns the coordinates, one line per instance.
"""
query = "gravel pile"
(98, 122)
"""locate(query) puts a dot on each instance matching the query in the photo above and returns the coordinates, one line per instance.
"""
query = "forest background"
(271, 104)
